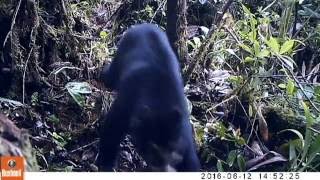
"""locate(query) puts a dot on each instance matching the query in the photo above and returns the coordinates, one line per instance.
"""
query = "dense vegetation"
(252, 79)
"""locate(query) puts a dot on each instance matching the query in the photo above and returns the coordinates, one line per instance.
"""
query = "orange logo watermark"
(12, 168)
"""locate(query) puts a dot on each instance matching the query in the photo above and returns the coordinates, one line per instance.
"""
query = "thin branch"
(222, 102)
(24, 75)
(12, 23)
(162, 4)
(85, 146)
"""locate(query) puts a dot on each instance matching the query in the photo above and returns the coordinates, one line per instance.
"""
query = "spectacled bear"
(150, 104)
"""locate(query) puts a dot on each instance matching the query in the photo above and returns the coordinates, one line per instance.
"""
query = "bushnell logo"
(12, 168)
(12, 163)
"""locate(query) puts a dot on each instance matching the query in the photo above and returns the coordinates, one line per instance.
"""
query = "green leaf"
(240, 141)
(35, 98)
(241, 163)
(248, 59)
(59, 140)
(54, 119)
(103, 34)
(250, 111)
(287, 46)
(290, 87)
(308, 115)
(253, 33)
(192, 44)
(317, 92)
(68, 168)
(295, 132)
(282, 86)
(314, 148)
(309, 12)
(79, 87)
(231, 51)
(221, 130)
(246, 48)
(197, 42)
(307, 143)
(77, 90)
(251, 36)
(292, 151)
(273, 44)
(199, 133)
(231, 157)
(264, 53)
(235, 79)
(219, 166)
(189, 105)
(246, 10)
(307, 92)
(289, 62)
(256, 47)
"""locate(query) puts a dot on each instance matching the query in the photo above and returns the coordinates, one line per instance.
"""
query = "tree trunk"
(176, 28)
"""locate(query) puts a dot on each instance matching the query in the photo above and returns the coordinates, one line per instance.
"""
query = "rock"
(15, 142)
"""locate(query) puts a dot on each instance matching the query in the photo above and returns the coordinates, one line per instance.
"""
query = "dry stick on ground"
(200, 54)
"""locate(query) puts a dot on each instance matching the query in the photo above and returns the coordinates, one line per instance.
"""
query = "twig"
(85, 146)
(44, 159)
(24, 75)
(314, 130)
(233, 35)
(222, 102)
(155, 13)
(12, 23)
